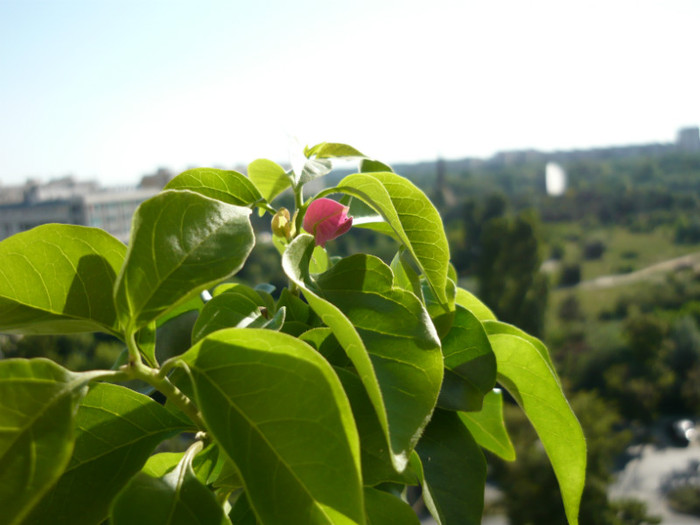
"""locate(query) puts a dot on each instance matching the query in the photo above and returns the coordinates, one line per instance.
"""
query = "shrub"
(317, 404)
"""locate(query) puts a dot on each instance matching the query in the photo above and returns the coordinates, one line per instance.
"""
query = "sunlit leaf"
(488, 428)
(387, 334)
(116, 429)
(269, 177)
(58, 278)
(528, 377)
(275, 405)
(329, 150)
(414, 219)
(38, 401)
(226, 186)
(181, 243)
(498, 327)
(369, 166)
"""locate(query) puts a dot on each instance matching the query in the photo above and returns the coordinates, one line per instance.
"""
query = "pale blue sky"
(114, 89)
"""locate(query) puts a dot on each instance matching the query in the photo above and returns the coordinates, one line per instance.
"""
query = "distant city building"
(555, 179)
(688, 140)
(69, 201)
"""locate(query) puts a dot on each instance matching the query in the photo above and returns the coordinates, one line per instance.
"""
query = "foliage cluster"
(318, 404)
(635, 346)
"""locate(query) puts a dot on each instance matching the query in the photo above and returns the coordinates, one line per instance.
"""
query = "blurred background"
(559, 141)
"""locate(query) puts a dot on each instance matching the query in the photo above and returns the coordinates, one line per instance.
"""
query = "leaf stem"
(133, 349)
(153, 377)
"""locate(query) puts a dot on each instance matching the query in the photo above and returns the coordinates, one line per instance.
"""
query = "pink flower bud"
(326, 219)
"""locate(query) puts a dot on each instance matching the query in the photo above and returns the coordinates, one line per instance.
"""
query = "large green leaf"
(413, 218)
(528, 377)
(470, 366)
(488, 428)
(181, 243)
(116, 430)
(454, 469)
(278, 410)
(399, 336)
(387, 334)
(177, 498)
(58, 278)
(386, 509)
(269, 177)
(38, 401)
(226, 186)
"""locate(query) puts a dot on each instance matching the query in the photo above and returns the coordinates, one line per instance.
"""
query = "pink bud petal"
(326, 219)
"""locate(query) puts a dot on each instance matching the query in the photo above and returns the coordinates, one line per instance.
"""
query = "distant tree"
(570, 274)
(640, 378)
(593, 249)
(508, 270)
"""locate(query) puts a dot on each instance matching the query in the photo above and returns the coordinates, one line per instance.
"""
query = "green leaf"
(366, 217)
(174, 337)
(386, 509)
(181, 243)
(528, 377)
(177, 498)
(274, 405)
(320, 261)
(488, 428)
(116, 429)
(312, 169)
(298, 314)
(377, 466)
(239, 306)
(226, 186)
(329, 150)
(323, 340)
(269, 177)
(405, 276)
(413, 218)
(454, 469)
(57, 278)
(474, 305)
(158, 465)
(38, 401)
(442, 317)
(398, 335)
(369, 166)
(469, 362)
(146, 341)
(242, 513)
(387, 334)
(498, 327)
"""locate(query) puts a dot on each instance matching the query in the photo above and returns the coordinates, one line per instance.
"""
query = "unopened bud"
(281, 224)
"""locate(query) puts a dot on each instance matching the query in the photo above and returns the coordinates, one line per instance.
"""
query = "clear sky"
(112, 89)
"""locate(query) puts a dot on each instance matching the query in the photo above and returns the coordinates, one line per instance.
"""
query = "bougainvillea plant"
(319, 403)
